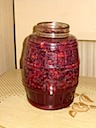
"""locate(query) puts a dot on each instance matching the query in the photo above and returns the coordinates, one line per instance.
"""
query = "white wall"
(6, 36)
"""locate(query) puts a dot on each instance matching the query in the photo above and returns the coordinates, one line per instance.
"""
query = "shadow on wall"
(23, 52)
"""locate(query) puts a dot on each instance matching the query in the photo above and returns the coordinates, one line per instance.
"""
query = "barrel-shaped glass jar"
(51, 66)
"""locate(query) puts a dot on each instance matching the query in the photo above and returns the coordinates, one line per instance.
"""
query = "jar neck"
(52, 29)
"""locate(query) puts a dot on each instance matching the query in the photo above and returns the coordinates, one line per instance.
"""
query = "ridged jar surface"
(51, 70)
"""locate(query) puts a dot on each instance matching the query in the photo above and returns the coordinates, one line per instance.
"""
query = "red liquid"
(43, 100)
(51, 70)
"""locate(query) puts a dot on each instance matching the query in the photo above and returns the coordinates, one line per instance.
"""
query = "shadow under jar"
(51, 66)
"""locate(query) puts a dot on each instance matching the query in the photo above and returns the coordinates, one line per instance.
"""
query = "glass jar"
(51, 66)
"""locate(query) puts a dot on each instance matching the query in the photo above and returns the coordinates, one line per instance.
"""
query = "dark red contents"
(51, 69)
(45, 101)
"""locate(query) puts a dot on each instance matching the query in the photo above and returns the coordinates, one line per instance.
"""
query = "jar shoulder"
(33, 38)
